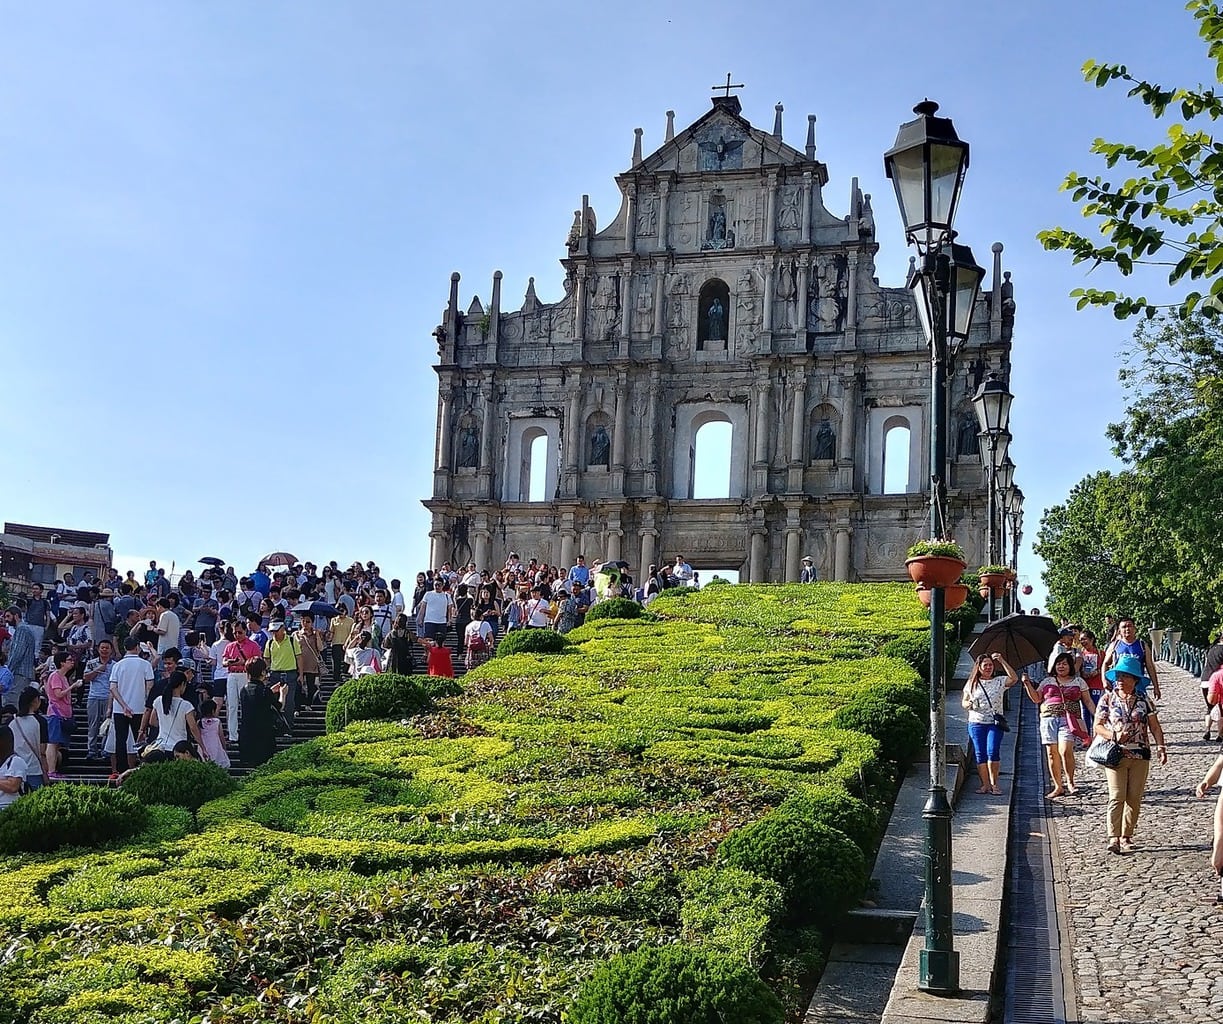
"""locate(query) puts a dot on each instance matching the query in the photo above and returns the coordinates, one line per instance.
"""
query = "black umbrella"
(1020, 639)
(209, 560)
(321, 608)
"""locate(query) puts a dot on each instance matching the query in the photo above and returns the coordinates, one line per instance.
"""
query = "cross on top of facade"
(727, 87)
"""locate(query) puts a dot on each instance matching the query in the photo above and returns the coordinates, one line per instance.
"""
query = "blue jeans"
(986, 739)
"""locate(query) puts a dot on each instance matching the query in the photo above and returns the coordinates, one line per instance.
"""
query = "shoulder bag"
(999, 718)
(1104, 751)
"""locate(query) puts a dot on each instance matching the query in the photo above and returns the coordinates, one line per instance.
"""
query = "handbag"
(1104, 752)
(999, 718)
(1077, 728)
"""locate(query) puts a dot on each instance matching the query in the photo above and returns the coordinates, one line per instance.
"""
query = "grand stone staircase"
(308, 724)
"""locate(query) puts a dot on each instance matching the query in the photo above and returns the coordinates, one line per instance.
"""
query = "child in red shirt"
(440, 663)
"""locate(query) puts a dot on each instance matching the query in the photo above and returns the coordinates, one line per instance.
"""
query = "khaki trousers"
(1126, 784)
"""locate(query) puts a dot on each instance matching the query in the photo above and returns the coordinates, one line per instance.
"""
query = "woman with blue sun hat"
(1129, 718)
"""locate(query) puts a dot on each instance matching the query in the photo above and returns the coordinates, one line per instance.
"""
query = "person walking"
(131, 681)
(1060, 696)
(339, 631)
(983, 699)
(238, 652)
(29, 731)
(1212, 663)
(257, 743)
(284, 662)
(1128, 718)
(22, 649)
(1128, 644)
(1209, 781)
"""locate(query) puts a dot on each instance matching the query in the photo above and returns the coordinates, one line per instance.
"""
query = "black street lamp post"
(927, 166)
(992, 403)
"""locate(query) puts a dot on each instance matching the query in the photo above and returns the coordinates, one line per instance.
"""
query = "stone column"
(651, 433)
(769, 272)
(618, 438)
(486, 435)
(648, 540)
(573, 428)
(567, 545)
(756, 570)
(659, 275)
(762, 389)
(806, 208)
(443, 444)
(804, 267)
(614, 535)
(579, 306)
(483, 549)
(437, 547)
(850, 402)
(626, 305)
(797, 422)
(630, 222)
(851, 295)
(793, 556)
(840, 559)
(664, 195)
(770, 217)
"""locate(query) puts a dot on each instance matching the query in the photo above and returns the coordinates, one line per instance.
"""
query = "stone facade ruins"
(723, 290)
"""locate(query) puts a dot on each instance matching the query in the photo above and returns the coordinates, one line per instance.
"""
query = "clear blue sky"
(228, 228)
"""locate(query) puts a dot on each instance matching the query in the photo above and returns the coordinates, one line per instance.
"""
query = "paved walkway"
(1158, 959)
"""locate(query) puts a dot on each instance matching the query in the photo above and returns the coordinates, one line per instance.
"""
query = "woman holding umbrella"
(983, 699)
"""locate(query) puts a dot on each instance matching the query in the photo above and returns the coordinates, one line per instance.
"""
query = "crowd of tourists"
(216, 663)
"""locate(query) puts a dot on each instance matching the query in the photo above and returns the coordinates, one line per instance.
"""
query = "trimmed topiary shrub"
(67, 814)
(834, 807)
(901, 734)
(820, 869)
(387, 695)
(906, 693)
(531, 641)
(615, 608)
(676, 984)
(189, 784)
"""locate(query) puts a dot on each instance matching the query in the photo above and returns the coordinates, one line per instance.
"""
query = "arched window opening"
(713, 312)
(533, 477)
(896, 437)
(711, 448)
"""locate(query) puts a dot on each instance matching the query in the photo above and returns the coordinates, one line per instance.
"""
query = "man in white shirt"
(167, 628)
(399, 604)
(471, 578)
(435, 612)
(130, 682)
(682, 571)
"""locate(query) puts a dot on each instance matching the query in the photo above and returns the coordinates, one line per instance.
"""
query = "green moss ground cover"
(478, 860)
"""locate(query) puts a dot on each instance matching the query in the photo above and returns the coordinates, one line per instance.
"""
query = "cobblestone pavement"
(1157, 958)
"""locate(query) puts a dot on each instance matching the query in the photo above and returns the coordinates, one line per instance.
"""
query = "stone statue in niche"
(967, 441)
(787, 291)
(600, 447)
(539, 326)
(748, 309)
(825, 442)
(788, 216)
(718, 236)
(715, 320)
(469, 448)
(866, 220)
(575, 232)
(976, 371)
(1008, 306)
(647, 215)
(606, 306)
(825, 299)
(643, 314)
(676, 293)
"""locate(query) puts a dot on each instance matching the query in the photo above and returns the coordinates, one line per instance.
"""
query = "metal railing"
(1182, 655)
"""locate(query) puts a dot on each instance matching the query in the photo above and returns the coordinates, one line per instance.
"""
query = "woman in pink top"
(59, 709)
(1062, 697)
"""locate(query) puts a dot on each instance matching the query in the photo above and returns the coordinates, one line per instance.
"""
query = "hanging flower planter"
(953, 596)
(994, 579)
(935, 563)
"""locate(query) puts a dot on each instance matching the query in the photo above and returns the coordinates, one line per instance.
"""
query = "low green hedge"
(531, 641)
(834, 807)
(189, 784)
(616, 608)
(386, 695)
(901, 734)
(68, 814)
(675, 984)
(820, 869)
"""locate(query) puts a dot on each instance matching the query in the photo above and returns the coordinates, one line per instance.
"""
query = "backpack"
(476, 644)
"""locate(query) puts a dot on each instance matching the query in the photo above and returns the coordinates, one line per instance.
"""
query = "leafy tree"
(1167, 211)
(1150, 539)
